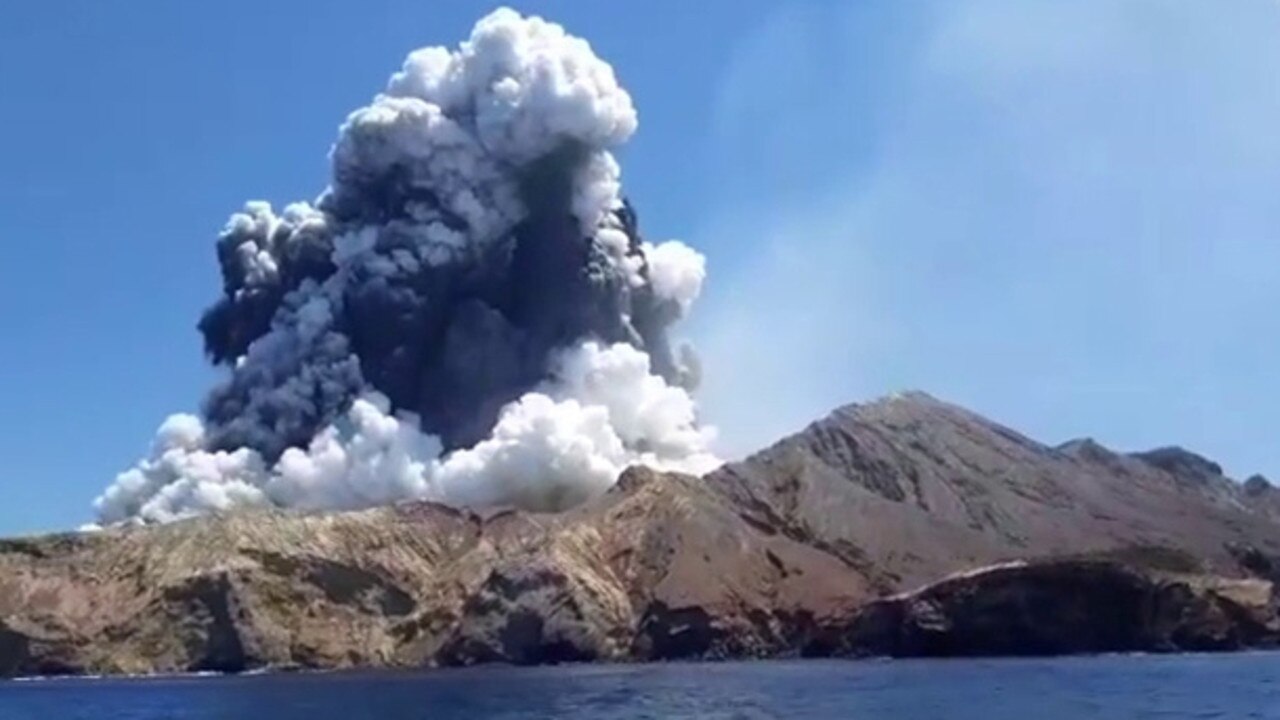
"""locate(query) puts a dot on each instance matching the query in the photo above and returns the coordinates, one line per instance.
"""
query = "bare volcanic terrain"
(906, 526)
(911, 488)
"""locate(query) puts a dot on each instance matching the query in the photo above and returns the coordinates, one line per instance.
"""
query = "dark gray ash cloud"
(467, 313)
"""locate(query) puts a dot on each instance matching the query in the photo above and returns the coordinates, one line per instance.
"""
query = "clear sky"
(1063, 215)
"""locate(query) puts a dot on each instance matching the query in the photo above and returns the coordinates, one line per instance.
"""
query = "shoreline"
(417, 672)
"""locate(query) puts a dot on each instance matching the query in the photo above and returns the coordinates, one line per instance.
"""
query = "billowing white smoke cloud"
(524, 87)
(453, 134)
(181, 478)
(602, 411)
(676, 272)
(557, 447)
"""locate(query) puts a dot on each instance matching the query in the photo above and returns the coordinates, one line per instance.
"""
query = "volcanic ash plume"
(467, 313)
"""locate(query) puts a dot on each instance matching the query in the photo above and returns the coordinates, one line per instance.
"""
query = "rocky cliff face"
(663, 566)
(913, 489)
(1068, 606)
(793, 551)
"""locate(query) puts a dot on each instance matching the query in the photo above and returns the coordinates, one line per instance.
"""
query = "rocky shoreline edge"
(903, 528)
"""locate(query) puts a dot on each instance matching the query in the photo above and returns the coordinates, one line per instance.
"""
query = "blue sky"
(1062, 215)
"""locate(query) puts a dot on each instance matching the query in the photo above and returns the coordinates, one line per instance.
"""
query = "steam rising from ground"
(468, 312)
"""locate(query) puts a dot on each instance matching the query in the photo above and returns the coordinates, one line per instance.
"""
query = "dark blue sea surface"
(1166, 687)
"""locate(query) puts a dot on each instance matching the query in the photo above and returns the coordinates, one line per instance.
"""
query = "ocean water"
(1166, 687)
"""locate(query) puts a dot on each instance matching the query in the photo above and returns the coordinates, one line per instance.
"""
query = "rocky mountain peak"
(1182, 463)
(1257, 485)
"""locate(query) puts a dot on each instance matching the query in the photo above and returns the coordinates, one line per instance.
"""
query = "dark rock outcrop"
(1068, 606)
(1257, 485)
(814, 546)
(1181, 463)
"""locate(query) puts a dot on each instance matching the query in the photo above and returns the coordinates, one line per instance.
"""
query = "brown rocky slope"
(813, 546)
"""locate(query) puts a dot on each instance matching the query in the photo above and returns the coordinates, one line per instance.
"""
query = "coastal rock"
(814, 546)
(1069, 606)
(663, 566)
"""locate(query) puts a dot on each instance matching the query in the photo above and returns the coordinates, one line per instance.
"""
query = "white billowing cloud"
(657, 421)
(597, 189)
(525, 88)
(181, 479)
(601, 412)
(676, 272)
(530, 85)
(458, 122)
(371, 458)
(542, 455)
